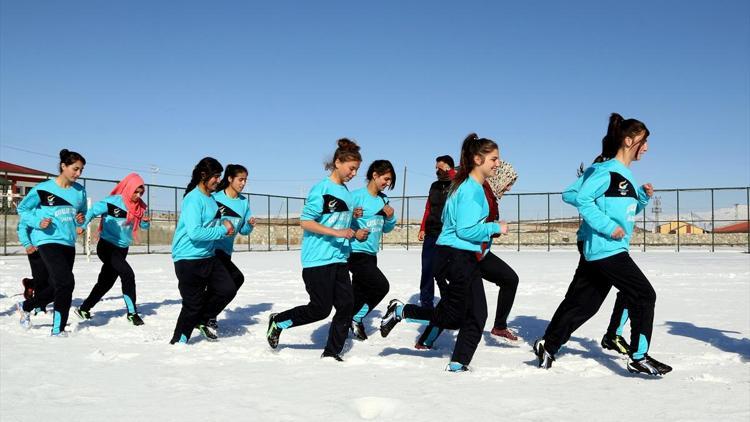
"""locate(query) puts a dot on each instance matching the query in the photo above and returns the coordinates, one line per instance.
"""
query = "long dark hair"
(232, 170)
(68, 158)
(473, 145)
(347, 150)
(203, 171)
(617, 131)
(382, 167)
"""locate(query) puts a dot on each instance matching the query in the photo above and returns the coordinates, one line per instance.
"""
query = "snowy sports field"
(110, 370)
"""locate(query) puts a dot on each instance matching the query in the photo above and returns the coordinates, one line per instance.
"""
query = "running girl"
(122, 213)
(326, 220)
(55, 209)
(463, 305)
(368, 282)
(205, 285)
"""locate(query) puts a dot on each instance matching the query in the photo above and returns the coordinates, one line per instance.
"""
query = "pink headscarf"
(126, 188)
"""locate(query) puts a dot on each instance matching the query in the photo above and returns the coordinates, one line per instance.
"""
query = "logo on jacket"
(623, 187)
(332, 204)
(51, 200)
(222, 210)
(116, 212)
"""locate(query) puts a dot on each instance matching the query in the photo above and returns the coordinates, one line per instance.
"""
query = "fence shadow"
(713, 336)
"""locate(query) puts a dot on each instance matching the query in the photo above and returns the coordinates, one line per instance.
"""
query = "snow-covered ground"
(109, 370)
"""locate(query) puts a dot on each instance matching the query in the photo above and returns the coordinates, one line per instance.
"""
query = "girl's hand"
(362, 234)
(79, 230)
(230, 227)
(30, 250)
(503, 227)
(45, 223)
(420, 236)
(252, 221)
(649, 188)
(79, 218)
(388, 210)
(358, 212)
(618, 234)
(145, 219)
(345, 233)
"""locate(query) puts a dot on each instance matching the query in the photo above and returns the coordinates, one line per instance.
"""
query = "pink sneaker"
(505, 333)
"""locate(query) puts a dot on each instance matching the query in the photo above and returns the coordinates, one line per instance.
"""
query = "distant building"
(741, 227)
(18, 180)
(682, 227)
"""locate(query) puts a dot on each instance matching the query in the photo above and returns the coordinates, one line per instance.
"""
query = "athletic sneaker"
(422, 346)
(648, 366)
(391, 318)
(505, 334)
(359, 331)
(23, 316)
(59, 334)
(206, 332)
(544, 357)
(214, 325)
(273, 333)
(456, 367)
(28, 288)
(82, 314)
(135, 319)
(334, 356)
(616, 343)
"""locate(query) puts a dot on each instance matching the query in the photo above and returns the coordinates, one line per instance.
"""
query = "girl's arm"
(591, 189)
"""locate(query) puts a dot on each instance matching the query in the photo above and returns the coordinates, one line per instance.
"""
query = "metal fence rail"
(675, 218)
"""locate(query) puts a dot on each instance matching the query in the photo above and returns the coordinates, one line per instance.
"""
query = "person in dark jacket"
(432, 225)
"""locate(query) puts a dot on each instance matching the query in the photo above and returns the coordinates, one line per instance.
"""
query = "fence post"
(248, 237)
(747, 214)
(6, 209)
(713, 225)
(644, 229)
(549, 222)
(269, 222)
(150, 215)
(287, 224)
(518, 223)
(175, 215)
(678, 220)
(407, 224)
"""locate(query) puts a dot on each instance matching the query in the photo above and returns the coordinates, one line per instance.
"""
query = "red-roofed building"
(741, 227)
(19, 179)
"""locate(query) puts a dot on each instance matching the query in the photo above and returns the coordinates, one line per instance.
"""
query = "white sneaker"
(23, 316)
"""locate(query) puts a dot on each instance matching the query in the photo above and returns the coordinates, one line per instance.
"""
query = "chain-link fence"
(707, 218)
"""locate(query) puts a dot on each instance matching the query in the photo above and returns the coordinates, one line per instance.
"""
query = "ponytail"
(617, 130)
(203, 171)
(472, 146)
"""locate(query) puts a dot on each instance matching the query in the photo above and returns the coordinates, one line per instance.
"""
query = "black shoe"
(135, 319)
(616, 343)
(648, 366)
(206, 332)
(273, 333)
(359, 331)
(82, 314)
(390, 319)
(544, 357)
(334, 356)
(213, 325)
(28, 288)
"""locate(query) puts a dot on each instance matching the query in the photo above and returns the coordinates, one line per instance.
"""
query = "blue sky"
(272, 85)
